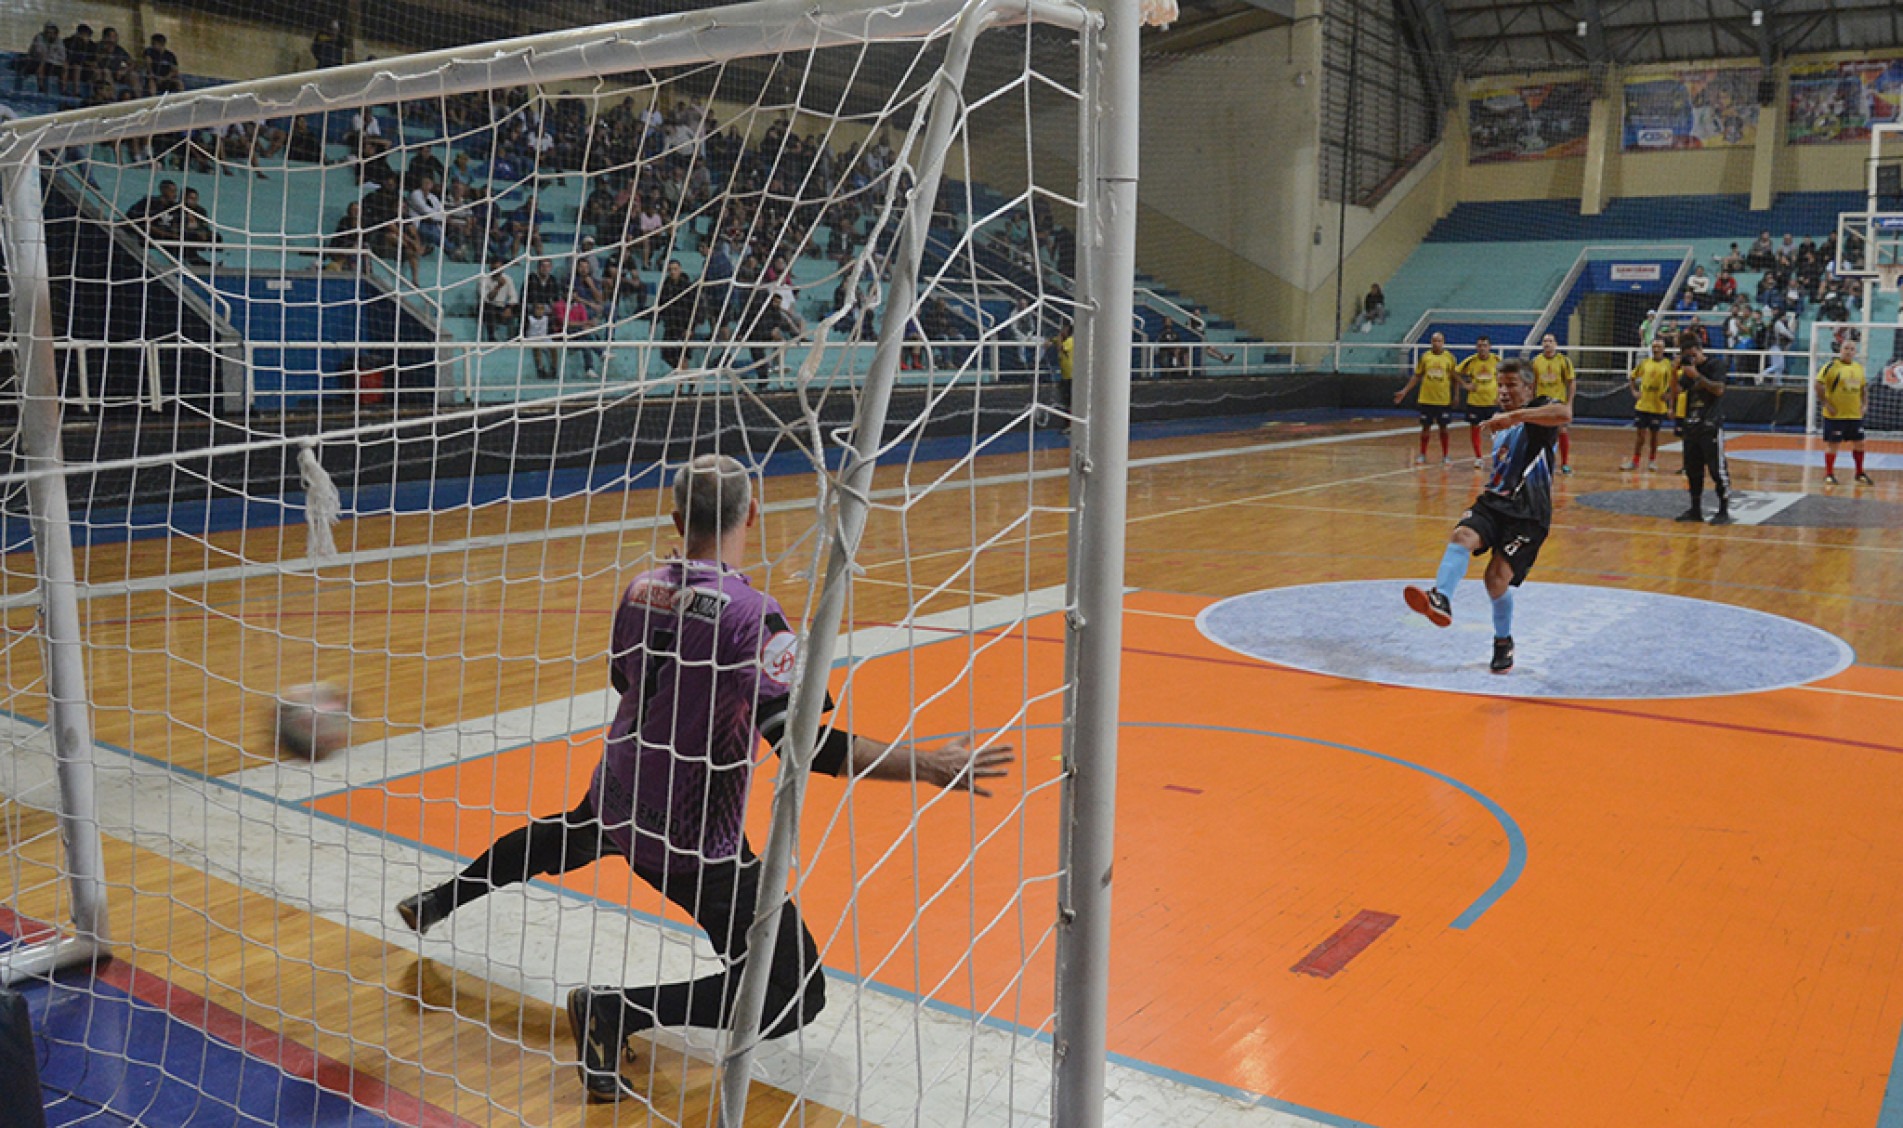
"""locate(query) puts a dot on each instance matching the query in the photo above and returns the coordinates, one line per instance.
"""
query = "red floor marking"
(1181, 788)
(258, 1041)
(1348, 941)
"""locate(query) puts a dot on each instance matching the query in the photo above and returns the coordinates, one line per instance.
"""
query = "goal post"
(842, 162)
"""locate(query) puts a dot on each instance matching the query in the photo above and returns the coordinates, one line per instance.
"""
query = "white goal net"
(377, 381)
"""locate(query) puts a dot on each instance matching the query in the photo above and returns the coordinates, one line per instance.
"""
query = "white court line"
(304, 565)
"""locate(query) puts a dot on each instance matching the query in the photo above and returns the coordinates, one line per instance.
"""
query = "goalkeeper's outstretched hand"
(957, 765)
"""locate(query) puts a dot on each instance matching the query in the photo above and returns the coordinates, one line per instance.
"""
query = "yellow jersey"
(1843, 390)
(1483, 386)
(1654, 378)
(1436, 373)
(1066, 357)
(1551, 374)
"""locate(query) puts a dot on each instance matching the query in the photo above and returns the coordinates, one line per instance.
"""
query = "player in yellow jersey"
(1434, 372)
(1845, 394)
(1480, 385)
(1553, 378)
(1651, 383)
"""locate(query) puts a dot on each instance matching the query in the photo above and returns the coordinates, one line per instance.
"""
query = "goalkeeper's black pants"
(1704, 450)
(720, 896)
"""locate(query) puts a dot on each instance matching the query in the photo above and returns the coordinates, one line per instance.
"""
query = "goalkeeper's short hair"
(711, 493)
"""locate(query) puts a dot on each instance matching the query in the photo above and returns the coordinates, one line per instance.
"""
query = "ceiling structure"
(1496, 36)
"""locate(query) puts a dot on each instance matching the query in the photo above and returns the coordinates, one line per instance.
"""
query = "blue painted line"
(1516, 840)
(1890, 1115)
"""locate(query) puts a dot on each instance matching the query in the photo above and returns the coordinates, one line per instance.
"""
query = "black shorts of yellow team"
(1480, 413)
(1843, 430)
(1432, 413)
(1648, 420)
(1516, 539)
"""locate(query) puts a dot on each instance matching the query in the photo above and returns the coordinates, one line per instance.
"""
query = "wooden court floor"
(1700, 929)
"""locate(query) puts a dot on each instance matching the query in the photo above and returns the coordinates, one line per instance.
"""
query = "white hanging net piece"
(322, 505)
(1159, 13)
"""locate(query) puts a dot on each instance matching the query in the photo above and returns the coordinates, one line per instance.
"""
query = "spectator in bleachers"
(1835, 305)
(328, 47)
(1373, 310)
(346, 243)
(45, 60)
(424, 210)
(578, 325)
(366, 138)
(1171, 355)
(195, 228)
(1787, 248)
(1725, 289)
(304, 144)
(159, 216)
(114, 64)
(544, 288)
(499, 311)
(1762, 256)
(1782, 336)
(1699, 287)
(585, 289)
(82, 58)
(538, 331)
(162, 73)
(1732, 260)
(624, 282)
(675, 310)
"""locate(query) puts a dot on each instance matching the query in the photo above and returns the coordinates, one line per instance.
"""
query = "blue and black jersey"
(1522, 478)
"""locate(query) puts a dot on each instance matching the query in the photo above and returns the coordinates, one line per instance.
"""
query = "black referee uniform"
(1704, 439)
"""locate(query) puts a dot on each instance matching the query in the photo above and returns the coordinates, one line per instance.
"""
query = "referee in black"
(1702, 379)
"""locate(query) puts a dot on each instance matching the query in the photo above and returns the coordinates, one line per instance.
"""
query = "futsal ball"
(313, 720)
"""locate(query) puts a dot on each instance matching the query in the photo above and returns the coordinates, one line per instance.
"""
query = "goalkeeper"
(703, 663)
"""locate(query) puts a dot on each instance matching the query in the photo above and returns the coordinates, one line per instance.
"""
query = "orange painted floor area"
(1708, 928)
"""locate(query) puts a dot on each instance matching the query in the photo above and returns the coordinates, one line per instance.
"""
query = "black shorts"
(1515, 538)
(1481, 413)
(1648, 420)
(1843, 430)
(1434, 413)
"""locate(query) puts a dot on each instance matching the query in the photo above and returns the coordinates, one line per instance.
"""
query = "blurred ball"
(313, 720)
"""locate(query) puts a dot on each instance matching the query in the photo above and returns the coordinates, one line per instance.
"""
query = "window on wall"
(1394, 120)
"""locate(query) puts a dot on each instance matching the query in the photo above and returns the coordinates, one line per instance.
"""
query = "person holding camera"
(1702, 380)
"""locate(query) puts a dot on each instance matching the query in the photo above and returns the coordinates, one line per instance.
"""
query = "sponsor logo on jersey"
(780, 657)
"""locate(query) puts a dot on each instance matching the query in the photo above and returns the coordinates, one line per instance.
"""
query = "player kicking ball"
(1511, 516)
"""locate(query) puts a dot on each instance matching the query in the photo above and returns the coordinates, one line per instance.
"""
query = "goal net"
(376, 380)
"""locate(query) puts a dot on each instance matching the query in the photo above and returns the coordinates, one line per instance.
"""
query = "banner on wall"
(1528, 123)
(1840, 101)
(1693, 109)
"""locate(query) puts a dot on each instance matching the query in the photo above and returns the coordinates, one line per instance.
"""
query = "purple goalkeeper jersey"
(707, 662)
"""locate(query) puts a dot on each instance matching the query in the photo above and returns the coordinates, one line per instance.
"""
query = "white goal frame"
(1107, 165)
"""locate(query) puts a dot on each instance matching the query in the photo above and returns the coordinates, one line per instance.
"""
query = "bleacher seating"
(274, 225)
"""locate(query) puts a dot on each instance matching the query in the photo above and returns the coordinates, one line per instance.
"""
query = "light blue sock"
(1503, 615)
(1453, 568)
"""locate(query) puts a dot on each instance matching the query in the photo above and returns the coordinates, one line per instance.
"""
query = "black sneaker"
(598, 1050)
(1692, 514)
(1429, 602)
(1722, 517)
(1830, 479)
(1502, 656)
(421, 911)
(1865, 479)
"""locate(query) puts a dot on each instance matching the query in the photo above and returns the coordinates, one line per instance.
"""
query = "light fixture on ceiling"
(1757, 17)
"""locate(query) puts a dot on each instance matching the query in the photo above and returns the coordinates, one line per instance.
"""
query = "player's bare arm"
(1545, 415)
(959, 764)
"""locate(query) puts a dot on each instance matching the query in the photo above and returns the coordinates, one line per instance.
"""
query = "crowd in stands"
(1795, 277)
(96, 71)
